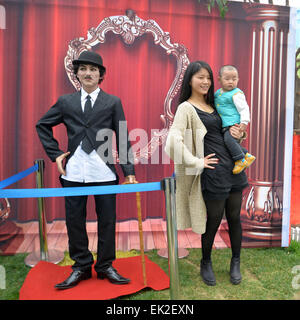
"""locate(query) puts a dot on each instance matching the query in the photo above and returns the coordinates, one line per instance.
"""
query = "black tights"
(215, 210)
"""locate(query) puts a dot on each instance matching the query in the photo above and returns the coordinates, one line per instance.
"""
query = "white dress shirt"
(83, 167)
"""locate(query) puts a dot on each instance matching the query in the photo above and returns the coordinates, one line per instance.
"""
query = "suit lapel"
(77, 103)
(100, 102)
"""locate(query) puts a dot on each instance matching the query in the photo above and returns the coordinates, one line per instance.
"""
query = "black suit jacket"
(105, 119)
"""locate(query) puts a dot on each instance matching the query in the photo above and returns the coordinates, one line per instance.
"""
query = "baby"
(233, 109)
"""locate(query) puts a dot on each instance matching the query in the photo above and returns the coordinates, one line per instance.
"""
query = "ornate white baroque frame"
(130, 27)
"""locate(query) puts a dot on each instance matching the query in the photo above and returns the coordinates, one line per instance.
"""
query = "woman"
(205, 185)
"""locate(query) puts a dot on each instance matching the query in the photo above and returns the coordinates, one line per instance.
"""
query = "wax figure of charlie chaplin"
(85, 114)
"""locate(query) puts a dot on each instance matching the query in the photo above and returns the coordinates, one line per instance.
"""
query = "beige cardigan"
(185, 147)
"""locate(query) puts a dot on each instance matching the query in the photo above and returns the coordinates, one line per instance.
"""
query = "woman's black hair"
(186, 89)
(101, 70)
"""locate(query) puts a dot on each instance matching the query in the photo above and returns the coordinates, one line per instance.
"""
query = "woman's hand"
(210, 160)
(236, 132)
(243, 127)
(59, 161)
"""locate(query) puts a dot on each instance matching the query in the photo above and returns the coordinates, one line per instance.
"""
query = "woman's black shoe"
(207, 273)
(235, 273)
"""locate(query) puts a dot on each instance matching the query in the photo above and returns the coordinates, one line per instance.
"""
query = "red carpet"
(40, 281)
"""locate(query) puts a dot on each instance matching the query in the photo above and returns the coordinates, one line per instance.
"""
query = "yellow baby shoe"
(239, 166)
(249, 158)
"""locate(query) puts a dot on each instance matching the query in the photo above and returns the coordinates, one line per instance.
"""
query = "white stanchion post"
(44, 254)
(168, 185)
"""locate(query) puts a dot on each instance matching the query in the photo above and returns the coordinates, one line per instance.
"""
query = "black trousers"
(76, 227)
(236, 151)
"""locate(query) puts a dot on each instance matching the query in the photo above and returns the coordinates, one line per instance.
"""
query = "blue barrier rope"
(79, 191)
(18, 176)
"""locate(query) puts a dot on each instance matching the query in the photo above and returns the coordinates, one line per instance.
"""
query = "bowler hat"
(89, 57)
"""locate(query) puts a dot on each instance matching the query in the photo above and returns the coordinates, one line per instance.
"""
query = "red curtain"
(33, 47)
(295, 201)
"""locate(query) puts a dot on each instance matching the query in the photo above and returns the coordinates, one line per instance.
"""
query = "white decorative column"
(262, 204)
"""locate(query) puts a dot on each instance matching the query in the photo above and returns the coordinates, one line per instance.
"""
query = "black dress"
(219, 182)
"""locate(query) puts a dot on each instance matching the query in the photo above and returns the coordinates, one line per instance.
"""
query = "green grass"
(267, 275)
(15, 274)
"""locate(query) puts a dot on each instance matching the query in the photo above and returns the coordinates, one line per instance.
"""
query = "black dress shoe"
(74, 278)
(112, 275)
